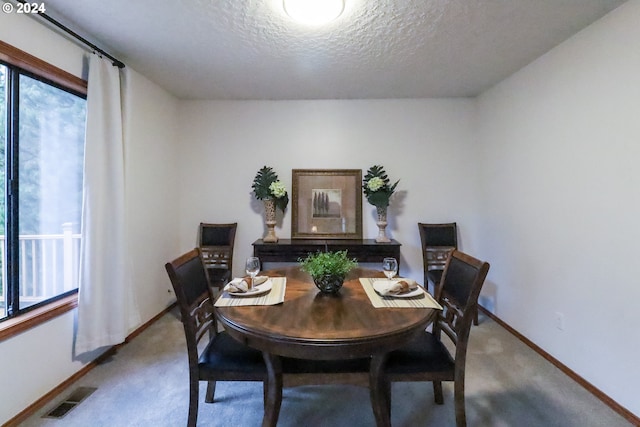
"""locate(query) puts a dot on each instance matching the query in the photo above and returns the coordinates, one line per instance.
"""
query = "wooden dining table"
(316, 326)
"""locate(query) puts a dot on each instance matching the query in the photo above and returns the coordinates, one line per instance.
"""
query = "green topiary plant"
(328, 264)
(328, 269)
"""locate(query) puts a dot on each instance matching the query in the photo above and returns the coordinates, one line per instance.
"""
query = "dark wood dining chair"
(438, 241)
(426, 358)
(223, 358)
(216, 244)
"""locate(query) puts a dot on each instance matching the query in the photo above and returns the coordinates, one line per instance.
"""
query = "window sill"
(12, 327)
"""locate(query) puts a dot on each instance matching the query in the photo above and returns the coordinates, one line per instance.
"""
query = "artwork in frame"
(327, 204)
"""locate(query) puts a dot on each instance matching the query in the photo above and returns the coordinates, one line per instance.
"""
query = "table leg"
(380, 391)
(274, 390)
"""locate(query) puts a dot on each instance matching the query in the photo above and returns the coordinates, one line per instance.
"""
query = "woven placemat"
(273, 297)
(421, 301)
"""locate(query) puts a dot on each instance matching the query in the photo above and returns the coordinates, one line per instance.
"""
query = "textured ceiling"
(250, 49)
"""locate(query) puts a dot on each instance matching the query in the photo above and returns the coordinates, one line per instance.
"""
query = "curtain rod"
(78, 37)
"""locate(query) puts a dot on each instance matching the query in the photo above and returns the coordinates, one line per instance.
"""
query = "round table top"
(313, 325)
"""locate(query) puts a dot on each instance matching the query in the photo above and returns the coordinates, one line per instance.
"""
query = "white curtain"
(104, 291)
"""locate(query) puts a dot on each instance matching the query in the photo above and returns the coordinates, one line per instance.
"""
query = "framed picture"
(327, 204)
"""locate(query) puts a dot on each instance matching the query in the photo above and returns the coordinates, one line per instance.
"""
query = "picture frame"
(326, 204)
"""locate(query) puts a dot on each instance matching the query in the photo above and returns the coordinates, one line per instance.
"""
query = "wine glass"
(390, 267)
(252, 267)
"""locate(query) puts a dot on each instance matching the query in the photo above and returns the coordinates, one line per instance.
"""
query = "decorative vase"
(270, 221)
(329, 284)
(382, 225)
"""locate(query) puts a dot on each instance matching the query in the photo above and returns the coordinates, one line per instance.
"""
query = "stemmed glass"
(252, 267)
(390, 267)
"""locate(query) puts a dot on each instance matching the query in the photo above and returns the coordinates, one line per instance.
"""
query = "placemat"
(423, 301)
(273, 297)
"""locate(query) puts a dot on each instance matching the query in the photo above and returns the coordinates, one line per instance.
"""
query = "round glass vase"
(329, 284)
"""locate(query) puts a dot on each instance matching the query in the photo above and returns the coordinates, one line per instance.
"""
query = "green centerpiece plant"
(328, 269)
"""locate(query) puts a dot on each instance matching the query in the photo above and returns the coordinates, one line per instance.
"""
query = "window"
(42, 126)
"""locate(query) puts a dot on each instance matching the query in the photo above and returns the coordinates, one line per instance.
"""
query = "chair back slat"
(203, 318)
(217, 257)
(449, 319)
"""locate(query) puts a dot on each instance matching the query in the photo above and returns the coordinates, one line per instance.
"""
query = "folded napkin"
(241, 284)
(396, 287)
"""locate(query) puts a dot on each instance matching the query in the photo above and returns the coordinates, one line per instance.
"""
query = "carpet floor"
(507, 384)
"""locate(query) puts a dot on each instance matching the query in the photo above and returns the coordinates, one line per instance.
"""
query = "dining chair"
(223, 358)
(427, 358)
(216, 245)
(438, 240)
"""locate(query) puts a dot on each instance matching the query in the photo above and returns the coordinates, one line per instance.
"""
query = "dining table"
(301, 322)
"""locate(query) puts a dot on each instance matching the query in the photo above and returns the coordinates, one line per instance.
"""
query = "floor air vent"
(70, 402)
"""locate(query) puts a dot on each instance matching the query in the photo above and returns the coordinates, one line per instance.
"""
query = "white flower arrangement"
(375, 183)
(278, 189)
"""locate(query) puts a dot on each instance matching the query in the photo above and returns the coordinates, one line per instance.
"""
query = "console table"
(288, 250)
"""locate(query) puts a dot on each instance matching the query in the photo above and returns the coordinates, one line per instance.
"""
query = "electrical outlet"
(559, 320)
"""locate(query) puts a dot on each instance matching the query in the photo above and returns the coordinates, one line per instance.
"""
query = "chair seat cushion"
(224, 354)
(426, 353)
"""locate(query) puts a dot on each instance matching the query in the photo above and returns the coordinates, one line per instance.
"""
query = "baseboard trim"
(44, 400)
(624, 412)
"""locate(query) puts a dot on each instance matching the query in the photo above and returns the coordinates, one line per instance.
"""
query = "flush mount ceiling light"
(313, 12)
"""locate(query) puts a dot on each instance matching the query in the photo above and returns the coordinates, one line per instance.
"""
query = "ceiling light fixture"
(313, 12)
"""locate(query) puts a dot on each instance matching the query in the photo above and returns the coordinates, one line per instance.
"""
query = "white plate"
(380, 285)
(256, 290)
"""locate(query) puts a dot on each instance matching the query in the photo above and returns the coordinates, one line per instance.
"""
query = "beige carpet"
(145, 384)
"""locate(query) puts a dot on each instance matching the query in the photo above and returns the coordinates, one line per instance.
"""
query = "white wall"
(427, 144)
(150, 148)
(561, 202)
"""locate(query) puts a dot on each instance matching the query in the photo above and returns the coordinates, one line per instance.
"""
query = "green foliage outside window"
(49, 161)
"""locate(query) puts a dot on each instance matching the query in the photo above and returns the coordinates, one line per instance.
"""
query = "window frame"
(26, 64)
